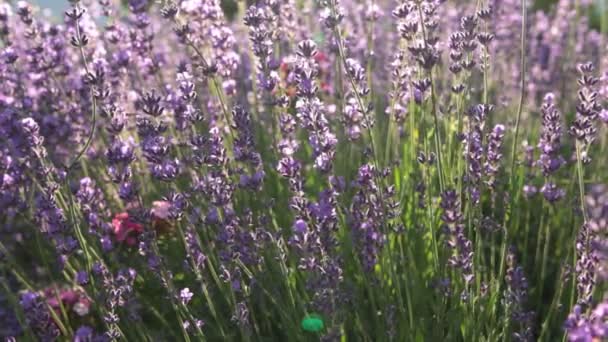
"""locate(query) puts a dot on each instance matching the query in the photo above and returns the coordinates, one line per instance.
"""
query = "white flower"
(185, 295)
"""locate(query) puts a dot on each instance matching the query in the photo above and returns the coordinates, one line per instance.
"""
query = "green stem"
(93, 103)
(581, 182)
(522, 94)
(433, 108)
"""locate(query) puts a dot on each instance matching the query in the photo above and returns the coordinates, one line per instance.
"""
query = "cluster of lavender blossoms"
(550, 160)
(461, 257)
(334, 170)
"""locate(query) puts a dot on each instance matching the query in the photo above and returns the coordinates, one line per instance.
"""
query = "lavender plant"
(335, 170)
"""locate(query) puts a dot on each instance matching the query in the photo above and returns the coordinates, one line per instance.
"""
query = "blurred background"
(230, 7)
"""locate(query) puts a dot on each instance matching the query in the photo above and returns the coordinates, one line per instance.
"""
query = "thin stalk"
(433, 108)
(543, 268)
(522, 93)
(357, 95)
(581, 182)
(341, 52)
(199, 278)
(392, 135)
(552, 308)
(93, 102)
(215, 84)
(520, 105)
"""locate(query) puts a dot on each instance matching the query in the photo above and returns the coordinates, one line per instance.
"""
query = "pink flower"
(70, 299)
(161, 217)
(126, 230)
(160, 210)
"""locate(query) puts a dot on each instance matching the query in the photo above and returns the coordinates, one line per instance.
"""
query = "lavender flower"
(368, 217)
(493, 154)
(515, 298)
(552, 192)
(586, 264)
(244, 150)
(185, 295)
(580, 328)
(83, 334)
(118, 289)
(550, 142)
(587, 110)
(54, 226)
(310, 110)
(38, 317)
(82, 278)
(246, 140)
(474, 149)
(11, 326)
(596, 202)
(462, 252)
(262, 23)
(241, 315)
(156, 148)
(194, 250)
(464, 48)
(93, 207)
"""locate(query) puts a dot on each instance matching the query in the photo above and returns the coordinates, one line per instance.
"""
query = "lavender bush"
(389, 170)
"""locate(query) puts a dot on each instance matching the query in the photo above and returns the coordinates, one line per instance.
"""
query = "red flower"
(126, 230)
(320, 57)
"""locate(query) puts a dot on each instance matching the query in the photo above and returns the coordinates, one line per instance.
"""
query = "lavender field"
(304, 170)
